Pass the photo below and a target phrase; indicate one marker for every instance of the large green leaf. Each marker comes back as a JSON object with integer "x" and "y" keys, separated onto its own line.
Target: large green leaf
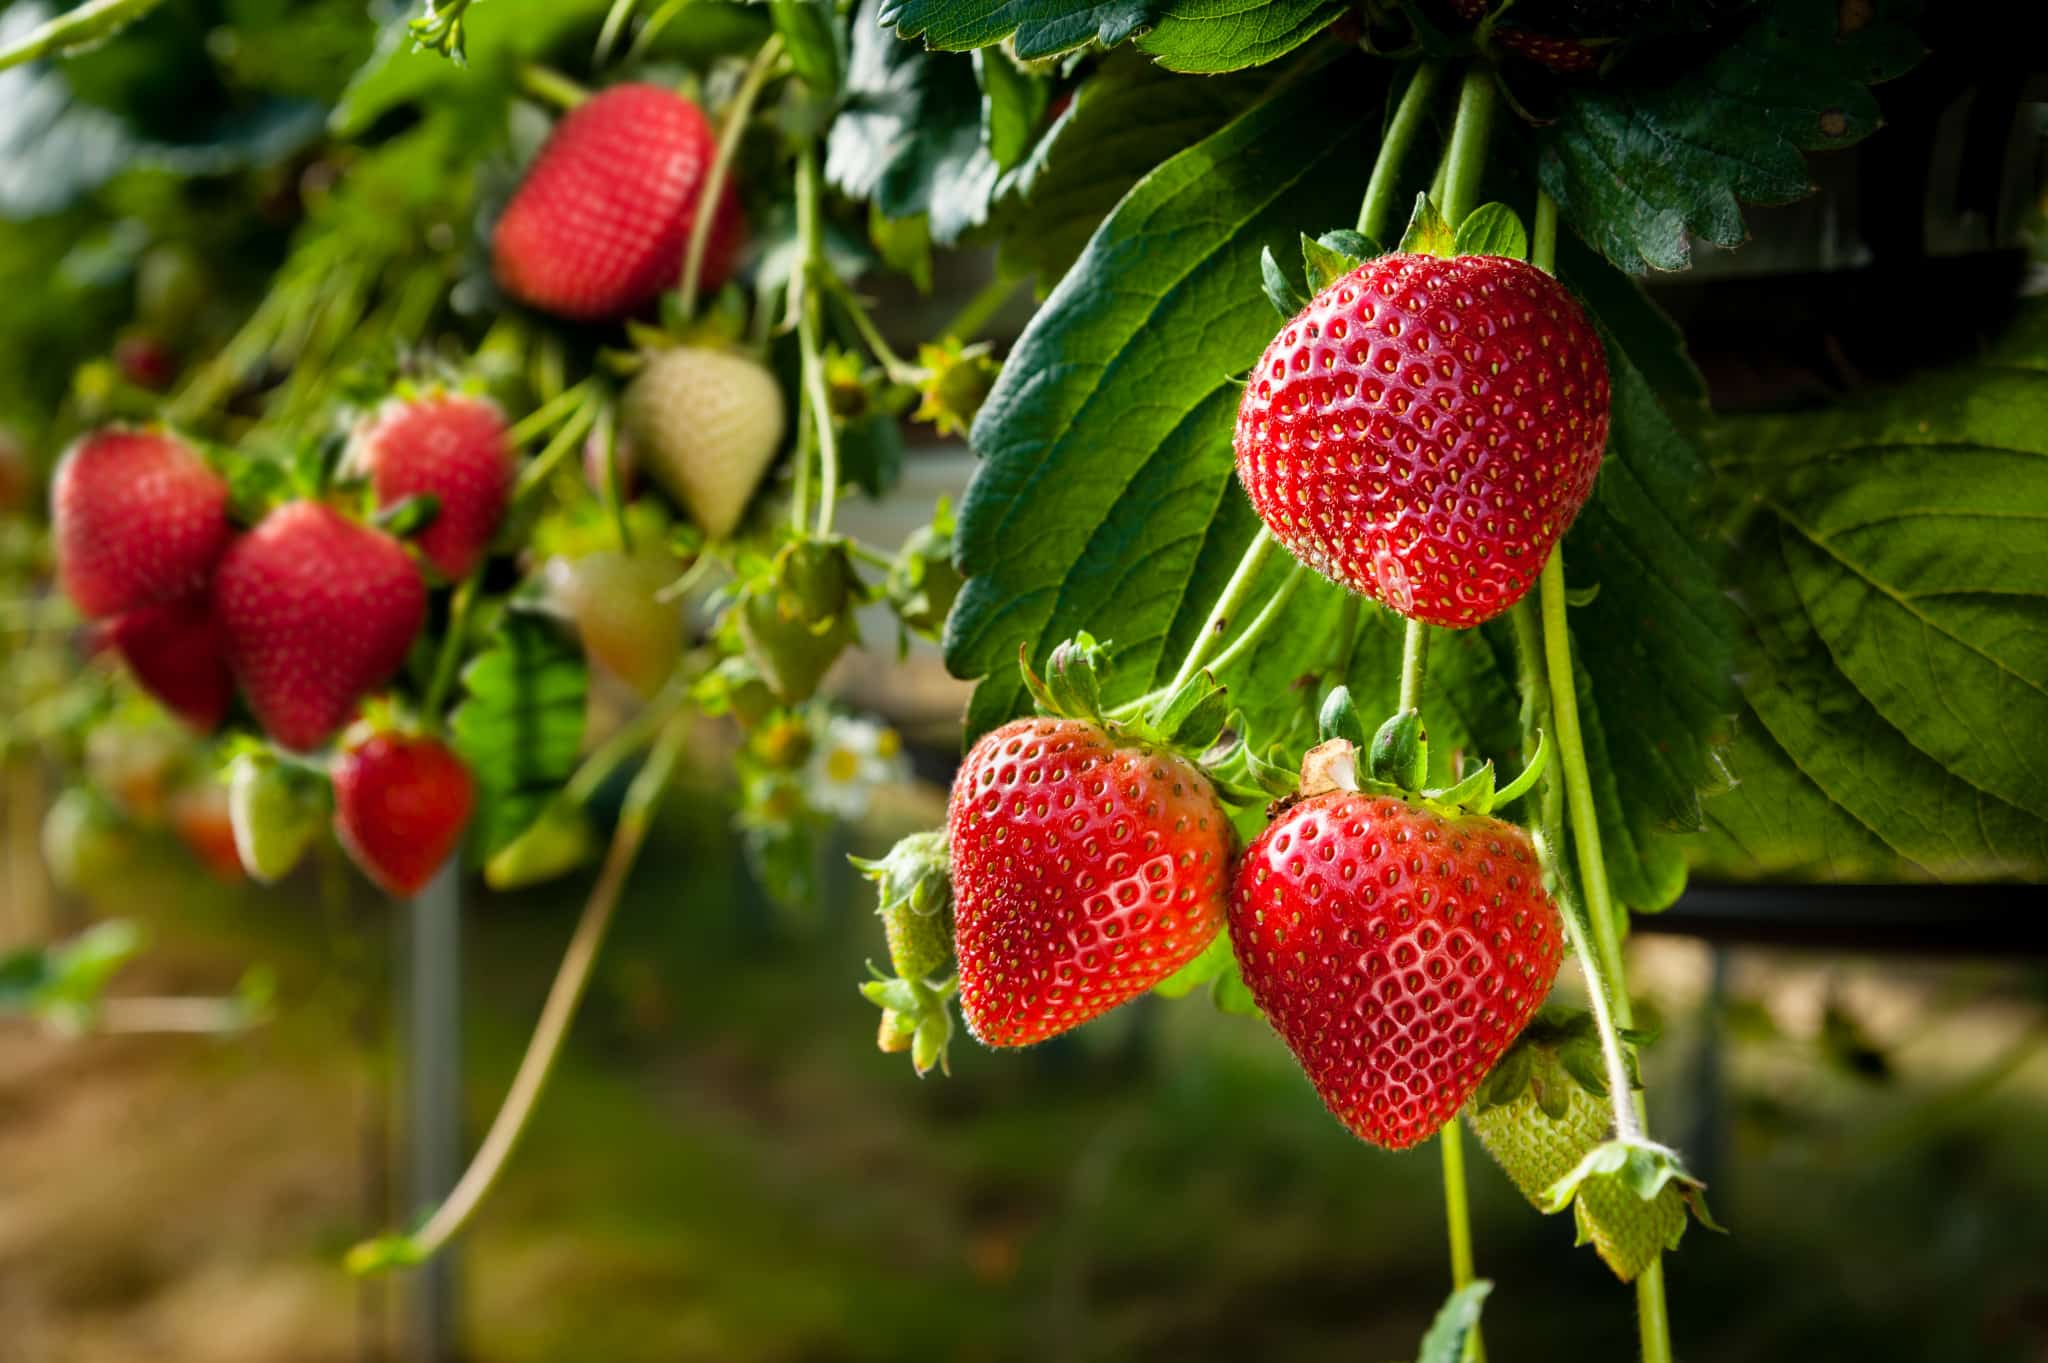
{"x": 1106, "y": 442}
{"x": 1042, "y": 28}
{"x": 1640, "y": 164}
{"x": 519, "y": 726}
{"x": 910, "y": 134}
{"x": 1206, "y": 37}
{"x": 1126, "y": 118}
{"x": 1896, "y": 574}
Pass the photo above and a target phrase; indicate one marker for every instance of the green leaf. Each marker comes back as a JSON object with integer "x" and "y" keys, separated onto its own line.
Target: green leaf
{"x": 1106, "y": 454}
{"x": 519, "y": 726}
{"x": 1428, "y": 233}
{"x": 909, "y": 134}
{"x": 1286, "y": 299}
{"x": 1493, "y": 230}
{"x": 1324, "y": 261}
{"x": 1126, "y": 118}
{"x": 1042, "y": 28}
{"x": 1454, "y": 1324}
{"x": 1209, "y": 37}
{"x": 1012, "y": 103}
{"x": 1896, "y": 582}
{"x": 815, "y": 41}
{"x": 1637, "y": 167}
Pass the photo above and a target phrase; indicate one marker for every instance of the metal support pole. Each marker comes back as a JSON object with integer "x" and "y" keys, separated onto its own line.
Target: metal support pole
{"x": 434, "y": 1099}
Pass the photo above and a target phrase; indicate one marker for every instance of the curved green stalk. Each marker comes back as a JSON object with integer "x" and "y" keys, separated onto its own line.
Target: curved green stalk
{"x": 1268, "y": 613}
{"x": 549, "y": 85}
{"x": 810, "y": 235}
{"x": 1382, "y": 192}
{"x": 564, "y": 996}
{"x": 1234, "y": 593}
{"x": 445, "y": 662}
{"x": 721, "y": 167}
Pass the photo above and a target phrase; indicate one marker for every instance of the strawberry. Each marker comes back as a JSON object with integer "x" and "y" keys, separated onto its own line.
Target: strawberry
{"x": 705, "y": 424}
{"x": 625, "y": 627}
{"x": 145, "y": 361}
{"x": 199, "y": 816}
{"x": 1536, "y": 1148}
{"x": 318, "y": 612}
{"x": 86, "y": 847}
{"x": 599, "y": 225}
{"x": 139, "y": 519}
{"x": 1086, "y": 869}
{"x": 177, "y": 652}
{"x": 274, "y": 814}
{"x": 1425, "y": 430}
{"x": 400, "y": 805}
{"x": 449, "y": 447}
{"x": 1397, "y": 951}
{"x": 913, "y": 896}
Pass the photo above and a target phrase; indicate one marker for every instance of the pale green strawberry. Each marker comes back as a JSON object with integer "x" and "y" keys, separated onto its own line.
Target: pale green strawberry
{"x": 1539, "y": 1116}
{"x": 915, "y": 890}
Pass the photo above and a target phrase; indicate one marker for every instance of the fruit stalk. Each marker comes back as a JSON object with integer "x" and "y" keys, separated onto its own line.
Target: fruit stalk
{"x": 564, "y": 996}
{"x": 811, "y": 240}
{"x": 547, "y": 416}
{"x": 551, "y": 87}
{"x": 1382, "y": 192}
{"x": 1452, "y": 1143}
{"x": 1235, "y": 591}
{"x": 1268, "y": 613}
{"x": 1466, "y": 159}
{"x": 1414, "y": 663}
{"x": 535, "y": 475}
{"x": 721, "y": 167}
{"x": 450, "y": 654}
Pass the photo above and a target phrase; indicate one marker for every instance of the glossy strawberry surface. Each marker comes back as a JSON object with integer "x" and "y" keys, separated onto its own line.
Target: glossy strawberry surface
{"x": 598, "y": 227}
{"x": 1084, "y": 872}
{"x": 318, "y": 611}
{"x": 138, "y": 518}
{"x": 1396, "y": 951}
{"x": 1425, "y": 431}
{"x": 451, "y": 448}
{"x": 400, "y": 805}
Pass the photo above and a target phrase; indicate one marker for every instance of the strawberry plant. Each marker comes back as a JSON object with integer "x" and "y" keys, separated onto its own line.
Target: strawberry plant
{"x": 1366, "y": 613}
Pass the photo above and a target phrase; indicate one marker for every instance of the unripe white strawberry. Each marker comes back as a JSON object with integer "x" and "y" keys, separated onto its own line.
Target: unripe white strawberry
{"x": 705, "y": 424}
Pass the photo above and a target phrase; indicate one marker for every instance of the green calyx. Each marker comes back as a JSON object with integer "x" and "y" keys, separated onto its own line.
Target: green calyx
{"x": 916, "y": 1017}
{"x": 914, "y": 885}
{"x": 1492, "y": 229}
{"x": 1560, "y": 1048}
{"x": 1193, "y": 718}
{"x": 1397, "y": 762}
{"x": 795, "y": 616}
{"x": 1643, "y": 1168}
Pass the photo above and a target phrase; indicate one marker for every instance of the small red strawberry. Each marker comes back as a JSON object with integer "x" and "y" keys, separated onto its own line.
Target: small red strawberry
{"x": 318, "y": 611}
{"x": 1568, "y": 36}
{"x": 400, "y": 805}
{"x": 145, "y": 361}
{"x": 599, "y": 226}
{"x": 1426, "y": 429}
{"x": 1397, "y": 952}
{"x": 1085, "y": 870}
{"x": 449, "y": 447}
{"x": 178, "y": 652}
{"x": 139, "y": 519}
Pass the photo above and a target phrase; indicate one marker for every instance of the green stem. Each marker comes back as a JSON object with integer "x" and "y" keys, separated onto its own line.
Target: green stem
{"x": 895, "y": 366}
{"x": 1382, "y": 192}
{"x": 1275, "y": 604}
{"x": 564, "y": 996}
{"x": 628, "y": 738}
{"x": 810, "y": 235}
{"x": 1459, "y": 1218}
{"x": 607, "y": 437}
{"x": 90, "y": 23}
{"x": 545, "y": 417}
{"x": 1414, "y": 663}
{"x": 536, "y": 474}
{"x": 615, "y": 21}
{"x": 550, "y": 86}
{"x": 1543, "y": 242}
{"x": 450, "y": 655}
{"x": 1653, "y": 1314}
{"x": 978, "y": 311}
{"x": 1466, "y": 160}
{"x": 1234, "y": 593}
{"x": 721, "y": 167}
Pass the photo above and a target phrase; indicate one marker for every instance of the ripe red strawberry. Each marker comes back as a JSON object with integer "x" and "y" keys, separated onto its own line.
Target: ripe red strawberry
{"x": 318, "y": 611}
{"x": 450, "y": 447}
{"x": 1085, "y": 871}
{"x": 139, "y": 519}
{"x": 1425, "y": 430}
{"x": 400, "y": 805}
{"x": 1396, "y": 951}
{"x": 598, "y": 227}
{"x": 1564, "y": 35}
{"x": 178, "y": 652}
